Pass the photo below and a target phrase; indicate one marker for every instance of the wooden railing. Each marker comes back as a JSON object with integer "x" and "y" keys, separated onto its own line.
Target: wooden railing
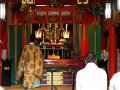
{"x": 69, "y": 67}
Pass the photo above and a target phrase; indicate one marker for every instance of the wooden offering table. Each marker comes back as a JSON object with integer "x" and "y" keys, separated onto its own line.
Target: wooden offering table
{"x": 63, "y": 65}
{"x": 58, "y": 48}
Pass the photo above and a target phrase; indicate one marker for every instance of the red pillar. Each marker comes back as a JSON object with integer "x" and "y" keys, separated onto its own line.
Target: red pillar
{"x": 0, "y": 50}
{"x": 112, "y": 50}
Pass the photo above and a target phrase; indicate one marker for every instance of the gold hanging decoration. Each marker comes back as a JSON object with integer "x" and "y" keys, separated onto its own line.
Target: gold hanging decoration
{"x": 83, "y": 5}
{"x": 28, "y": 4}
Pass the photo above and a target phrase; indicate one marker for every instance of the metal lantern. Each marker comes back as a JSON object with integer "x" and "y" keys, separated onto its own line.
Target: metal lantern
{"x": 118, "y": 5}
{"x": 2, "y": 11}
{"x": 108, "y": 10}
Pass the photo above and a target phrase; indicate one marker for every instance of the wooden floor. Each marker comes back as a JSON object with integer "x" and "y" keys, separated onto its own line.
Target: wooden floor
{"x": 40, "y": 88}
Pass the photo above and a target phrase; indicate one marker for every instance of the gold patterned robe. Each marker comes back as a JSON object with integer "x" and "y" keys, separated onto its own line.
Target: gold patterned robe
{"x": 30, "y": 61}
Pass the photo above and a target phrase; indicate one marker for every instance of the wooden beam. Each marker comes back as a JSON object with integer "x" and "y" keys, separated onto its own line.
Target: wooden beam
{"x": 13, "y": 0}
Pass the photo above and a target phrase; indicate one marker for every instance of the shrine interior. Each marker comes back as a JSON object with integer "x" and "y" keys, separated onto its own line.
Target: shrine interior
{"x": 65, "y": 31}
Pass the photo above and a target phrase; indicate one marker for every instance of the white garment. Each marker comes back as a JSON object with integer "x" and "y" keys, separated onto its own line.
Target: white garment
{"x": 36, "y": 83}
{"x": 91, "y": 78}
{"x": 115, "y": 82}
{"x": 1, "y": 88}
{"x": 4, "y": 54}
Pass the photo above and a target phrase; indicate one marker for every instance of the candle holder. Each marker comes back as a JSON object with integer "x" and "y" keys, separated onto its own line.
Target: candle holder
{"x": 66, "y": 33}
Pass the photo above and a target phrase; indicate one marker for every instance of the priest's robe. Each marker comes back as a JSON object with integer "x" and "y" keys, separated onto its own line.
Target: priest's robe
{"x": 31, "y": 61}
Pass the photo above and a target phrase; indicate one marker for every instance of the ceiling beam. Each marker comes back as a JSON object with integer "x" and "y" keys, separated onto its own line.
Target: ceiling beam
{"x": 12, "y": 0}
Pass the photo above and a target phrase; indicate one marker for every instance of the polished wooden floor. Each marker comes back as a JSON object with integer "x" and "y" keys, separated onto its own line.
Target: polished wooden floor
{"x": 40, "y": 88}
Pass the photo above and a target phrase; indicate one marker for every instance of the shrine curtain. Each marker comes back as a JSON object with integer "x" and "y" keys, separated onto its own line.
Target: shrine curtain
{"x": 19, "y": 41}
{"x": 91, "y": 38}
{"x": 12, "y": 52}
{"x": 86, "y": 20}
{"x": 12, "y": 48}
{"x": 91, "y": 35}
{"x": 98, "y": 42}
{"x": 95, "y": 39}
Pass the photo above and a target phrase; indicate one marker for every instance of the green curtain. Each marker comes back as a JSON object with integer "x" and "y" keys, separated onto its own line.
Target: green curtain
{"x": 91, "y": 38}
{"x": 19, "y": 42}
{"x": 76, "y": 41}
{"x": 28, "y": 33}
{"x": 19, "y": 46}
{"x": 12, "y": 48}
{"x": 98, "y": 42}
{"x": 12, "y": 51}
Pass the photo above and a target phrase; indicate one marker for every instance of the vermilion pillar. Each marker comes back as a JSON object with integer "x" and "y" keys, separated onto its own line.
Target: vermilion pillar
{"x": 112, "y": 51}
{"x": 0, "y": 50}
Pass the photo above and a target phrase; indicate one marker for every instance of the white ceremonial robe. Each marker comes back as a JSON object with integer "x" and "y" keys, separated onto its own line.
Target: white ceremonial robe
{"x": 115, "y": 82}
{"x": 91, "y": 78}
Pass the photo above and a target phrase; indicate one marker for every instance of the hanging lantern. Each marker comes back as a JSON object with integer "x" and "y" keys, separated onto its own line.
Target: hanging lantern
{"x": 108, "y": 10}
{"x": 38, "y": 33}
{"x": 118, "y": 5}
{"x": 66, "y": 34}
{"x": 2, "y": 11}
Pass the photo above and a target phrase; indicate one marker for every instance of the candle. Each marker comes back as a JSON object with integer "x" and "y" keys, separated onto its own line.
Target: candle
{"x": 66, "y": 26}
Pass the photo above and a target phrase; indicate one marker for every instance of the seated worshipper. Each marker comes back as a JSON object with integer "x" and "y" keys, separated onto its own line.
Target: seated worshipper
{"x": 6, "y": 72}
{"x": 91, "y": 77}
{"x": 115, "y": 82}
{"x": 30, "y": 65}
